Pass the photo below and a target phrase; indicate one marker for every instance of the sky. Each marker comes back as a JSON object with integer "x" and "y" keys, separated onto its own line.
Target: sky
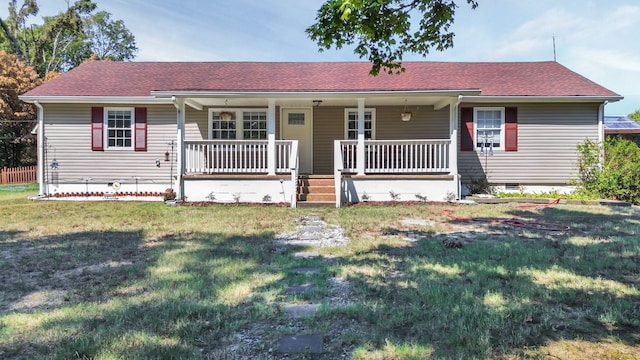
{"x": 598, "y": 39}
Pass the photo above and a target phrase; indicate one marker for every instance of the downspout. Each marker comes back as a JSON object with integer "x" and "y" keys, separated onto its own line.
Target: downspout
{"x": 601, "y": 133}
{"x": 42, "y": 187}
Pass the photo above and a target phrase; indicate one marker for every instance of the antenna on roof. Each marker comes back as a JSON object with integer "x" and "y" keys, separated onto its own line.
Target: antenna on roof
{"x": 554, "y": 47}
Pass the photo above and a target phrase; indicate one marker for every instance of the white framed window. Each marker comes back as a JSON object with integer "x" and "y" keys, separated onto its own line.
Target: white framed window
{"x": 254, "y": 125}
{"x": 119, "y": 128}
{"x": 238, "y": 124}
{"x": 222, "y": 125}
{"x": 351, "y": 124}
{"x": 489, "y": 127}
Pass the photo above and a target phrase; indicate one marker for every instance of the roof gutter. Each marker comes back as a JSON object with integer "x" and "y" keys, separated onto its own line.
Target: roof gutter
{"x": 167, "y": 97}
{"x": 306, "y": 94}
{"x": 532, "y": 99}
{"x": 95, "y": 99}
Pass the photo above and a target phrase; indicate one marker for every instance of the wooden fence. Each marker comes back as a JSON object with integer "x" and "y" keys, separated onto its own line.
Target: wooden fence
{"x": 18, "y": 175}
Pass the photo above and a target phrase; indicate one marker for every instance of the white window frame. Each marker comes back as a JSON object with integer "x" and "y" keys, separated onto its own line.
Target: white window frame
{"x": 132, "y": 128}
{"x": 266, "y": 123}
{"x": 346, "y": 122}
{"x": 476, "y": 130}
{"x": 239, "y": 119}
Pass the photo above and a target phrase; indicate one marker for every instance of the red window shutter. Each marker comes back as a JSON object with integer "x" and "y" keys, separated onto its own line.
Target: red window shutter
{"x": 511, "y": 129}
{"x": 97, "y": 128}
{"x": 141, "y": 129}
{"x": 466, "y": 129}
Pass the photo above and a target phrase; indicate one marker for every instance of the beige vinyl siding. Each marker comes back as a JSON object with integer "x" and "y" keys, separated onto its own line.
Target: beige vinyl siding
{"x": 547, "y": 139}
{"x": 424, "y": 124}
{"x": 328, "y": 125}
{"x": 68, "y": 139}
{"x": 196, "y": 124}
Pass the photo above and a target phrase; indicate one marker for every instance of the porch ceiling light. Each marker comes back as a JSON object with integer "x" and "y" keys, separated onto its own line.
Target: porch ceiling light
{"x": 317, "y": 103}
{"x": 406, "y": 115}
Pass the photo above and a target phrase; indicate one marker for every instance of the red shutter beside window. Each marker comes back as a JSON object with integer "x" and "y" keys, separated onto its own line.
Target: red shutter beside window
{"x": 97, "y": 128}
{"x": 466, "y": 129}
{"x": 141, "y": 129}
{"x": 511, "y": 129}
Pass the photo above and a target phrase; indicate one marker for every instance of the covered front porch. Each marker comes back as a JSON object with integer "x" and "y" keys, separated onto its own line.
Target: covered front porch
{"x": 363, "y": 144}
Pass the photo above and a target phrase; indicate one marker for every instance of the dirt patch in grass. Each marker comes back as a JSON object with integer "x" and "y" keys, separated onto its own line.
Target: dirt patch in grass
{"x": 51, "y": 271}
{"x": 607, "y": 349}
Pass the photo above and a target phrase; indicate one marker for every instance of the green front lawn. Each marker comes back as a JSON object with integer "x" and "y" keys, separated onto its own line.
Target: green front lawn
{"x": 112, "y": 280}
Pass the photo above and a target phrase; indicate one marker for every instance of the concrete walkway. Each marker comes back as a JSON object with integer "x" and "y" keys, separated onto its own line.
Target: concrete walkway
{"x": 311, "y": 232}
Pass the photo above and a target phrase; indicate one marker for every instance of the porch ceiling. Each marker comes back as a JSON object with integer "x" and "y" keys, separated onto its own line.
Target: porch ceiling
{"x": 307, "y": 101}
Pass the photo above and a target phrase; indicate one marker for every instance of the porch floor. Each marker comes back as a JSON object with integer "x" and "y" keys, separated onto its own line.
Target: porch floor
{"x": 400, "y": 176}
{"x": 235, "y": 177}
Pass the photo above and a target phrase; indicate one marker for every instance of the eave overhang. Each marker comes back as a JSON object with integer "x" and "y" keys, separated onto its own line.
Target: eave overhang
{"x": 167, "y": 97}
{"x": 538, "y": 99}
{"x": 307, "y": 94}
{"x": 95, "y": 99}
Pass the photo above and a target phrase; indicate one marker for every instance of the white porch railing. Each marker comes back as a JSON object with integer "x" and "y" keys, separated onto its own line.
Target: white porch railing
{"x": 396, "y": 156}
{"x": 237, "y": 156}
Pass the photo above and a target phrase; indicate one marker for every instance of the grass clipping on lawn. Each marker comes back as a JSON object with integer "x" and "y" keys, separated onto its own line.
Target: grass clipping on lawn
{"x": 143, "y": 280}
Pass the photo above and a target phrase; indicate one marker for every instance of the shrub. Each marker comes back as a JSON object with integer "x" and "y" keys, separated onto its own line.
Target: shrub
{"x": 479, "y": 186}
{"x": 589, "y": 166}
{"x": 619, "y": 177}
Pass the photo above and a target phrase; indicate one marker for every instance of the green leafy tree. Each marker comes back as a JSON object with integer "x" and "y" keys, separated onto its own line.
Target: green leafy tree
{"x": 383, "y": 30}
{"x": 635, "y": 115}
{"x": 41, "y": 46}
{"x": 59, "y": 44}
{"x": 17, "y": 145}
{"x": 101, "y": 39}
{"x": 65, "y": 40}
{"x": 109, "y": 39}
{"x": 15, "y": 24}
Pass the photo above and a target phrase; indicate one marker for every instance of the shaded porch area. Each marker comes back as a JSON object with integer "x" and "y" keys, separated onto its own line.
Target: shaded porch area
{"x": 363, "y": 146}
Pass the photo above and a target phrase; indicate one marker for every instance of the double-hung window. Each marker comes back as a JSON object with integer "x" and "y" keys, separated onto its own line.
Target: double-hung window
{"x": 223, "y": 125}
{"x": 351, "y": 124}
{"x": 114, "y": 128}
{"x": 254, "y": 125}
{"x": 489, "y": 126}
{"x": 119, "y": 129}
{"x": 234, "y": 124}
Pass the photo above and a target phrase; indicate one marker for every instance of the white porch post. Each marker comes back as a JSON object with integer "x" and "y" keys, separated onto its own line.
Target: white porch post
{"x": 453, "y": 144}
{"x": 453, "y": 136}
{"x": 360, "y": 148}
{"x": 271, "y": 137}
{"x": 179, "y": 104}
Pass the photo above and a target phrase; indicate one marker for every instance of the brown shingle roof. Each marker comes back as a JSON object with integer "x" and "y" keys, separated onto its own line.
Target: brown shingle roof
{"x": 140, "y": 78}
